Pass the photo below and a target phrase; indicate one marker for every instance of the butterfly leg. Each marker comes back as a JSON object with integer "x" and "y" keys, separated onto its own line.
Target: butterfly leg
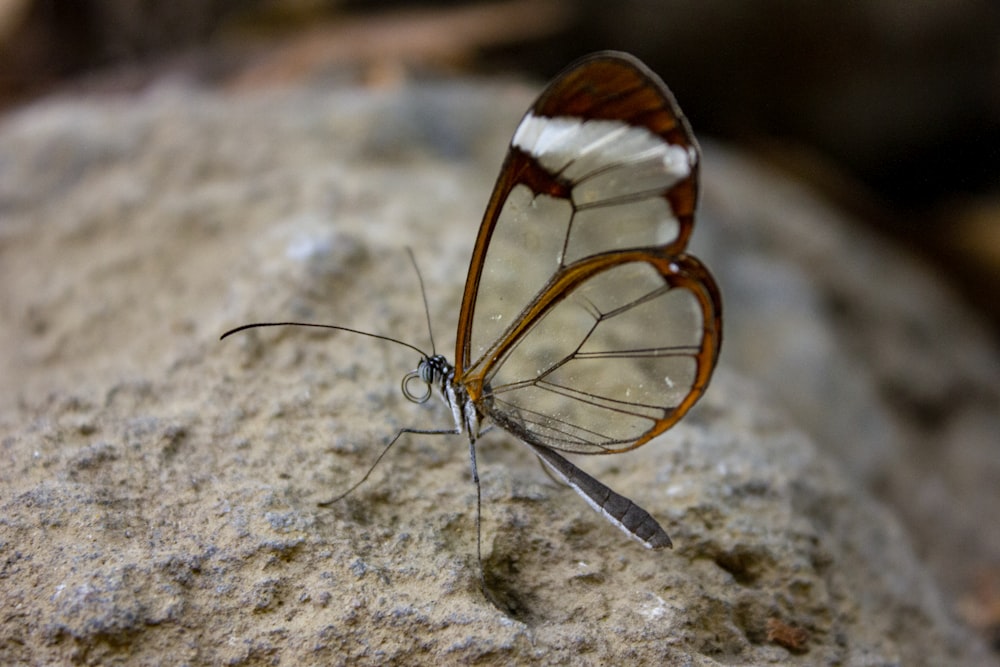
{"x": 327, "y": 503}
{"x": 479, "y": 513}
{"x": 497, "y": 597}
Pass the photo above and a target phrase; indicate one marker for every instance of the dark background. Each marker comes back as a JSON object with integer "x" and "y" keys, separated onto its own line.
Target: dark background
{"x": 890, "y": 107}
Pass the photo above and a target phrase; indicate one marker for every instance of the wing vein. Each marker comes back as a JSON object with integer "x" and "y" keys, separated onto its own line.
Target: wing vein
{"x": 599, "y": 401}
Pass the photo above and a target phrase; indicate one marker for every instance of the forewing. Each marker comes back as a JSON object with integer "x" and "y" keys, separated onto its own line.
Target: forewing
{"x": 583, "y": 324}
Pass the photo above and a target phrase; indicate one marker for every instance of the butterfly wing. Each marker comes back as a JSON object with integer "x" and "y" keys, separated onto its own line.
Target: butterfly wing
{"x": 584, "y": 325}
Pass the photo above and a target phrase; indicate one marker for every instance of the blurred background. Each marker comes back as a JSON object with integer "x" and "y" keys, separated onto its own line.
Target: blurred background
{"x": 890, "y": 107}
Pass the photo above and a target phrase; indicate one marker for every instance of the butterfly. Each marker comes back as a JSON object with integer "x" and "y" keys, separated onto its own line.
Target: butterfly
{"x": 585, "y": 327}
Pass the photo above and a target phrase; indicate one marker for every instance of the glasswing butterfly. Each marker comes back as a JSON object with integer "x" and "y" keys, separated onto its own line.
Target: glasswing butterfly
{"x": 585, "y": 327}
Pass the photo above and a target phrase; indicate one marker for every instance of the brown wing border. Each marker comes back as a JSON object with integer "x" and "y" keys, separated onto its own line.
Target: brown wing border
{"x": 607, "y": 85}
{"x": 683, "y": 272}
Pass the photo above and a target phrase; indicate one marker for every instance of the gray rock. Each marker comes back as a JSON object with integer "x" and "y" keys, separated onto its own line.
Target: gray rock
{"x": 159, "y": 487}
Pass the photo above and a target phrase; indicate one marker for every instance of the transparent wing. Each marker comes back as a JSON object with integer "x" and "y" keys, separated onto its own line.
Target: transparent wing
{"x": 615, "y": 361}
{"x": 584, "y": 326}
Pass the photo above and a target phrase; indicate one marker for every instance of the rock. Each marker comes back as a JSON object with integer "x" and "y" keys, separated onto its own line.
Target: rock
{"x": 160, "y": 487}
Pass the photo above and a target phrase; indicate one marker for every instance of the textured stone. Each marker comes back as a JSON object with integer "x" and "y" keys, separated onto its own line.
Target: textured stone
{"x": 159, "y": 487}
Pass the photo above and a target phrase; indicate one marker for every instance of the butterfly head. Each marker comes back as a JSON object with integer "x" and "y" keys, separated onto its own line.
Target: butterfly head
{"x": 431, "y": 371}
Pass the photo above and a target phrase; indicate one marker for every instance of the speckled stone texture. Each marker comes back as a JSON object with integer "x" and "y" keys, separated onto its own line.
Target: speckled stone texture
{"x": 829, "y": 499}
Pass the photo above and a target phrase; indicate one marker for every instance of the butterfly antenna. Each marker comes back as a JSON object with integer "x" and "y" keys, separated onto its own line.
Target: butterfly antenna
{"x": 256, "y": 325}
{"x": 423, "y": 293}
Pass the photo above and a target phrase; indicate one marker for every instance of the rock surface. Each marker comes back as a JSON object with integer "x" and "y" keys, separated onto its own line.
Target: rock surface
{"x": 159, "y": 487}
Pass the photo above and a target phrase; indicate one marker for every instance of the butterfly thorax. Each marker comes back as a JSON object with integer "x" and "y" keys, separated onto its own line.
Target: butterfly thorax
{"x": 437, "y": 372}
